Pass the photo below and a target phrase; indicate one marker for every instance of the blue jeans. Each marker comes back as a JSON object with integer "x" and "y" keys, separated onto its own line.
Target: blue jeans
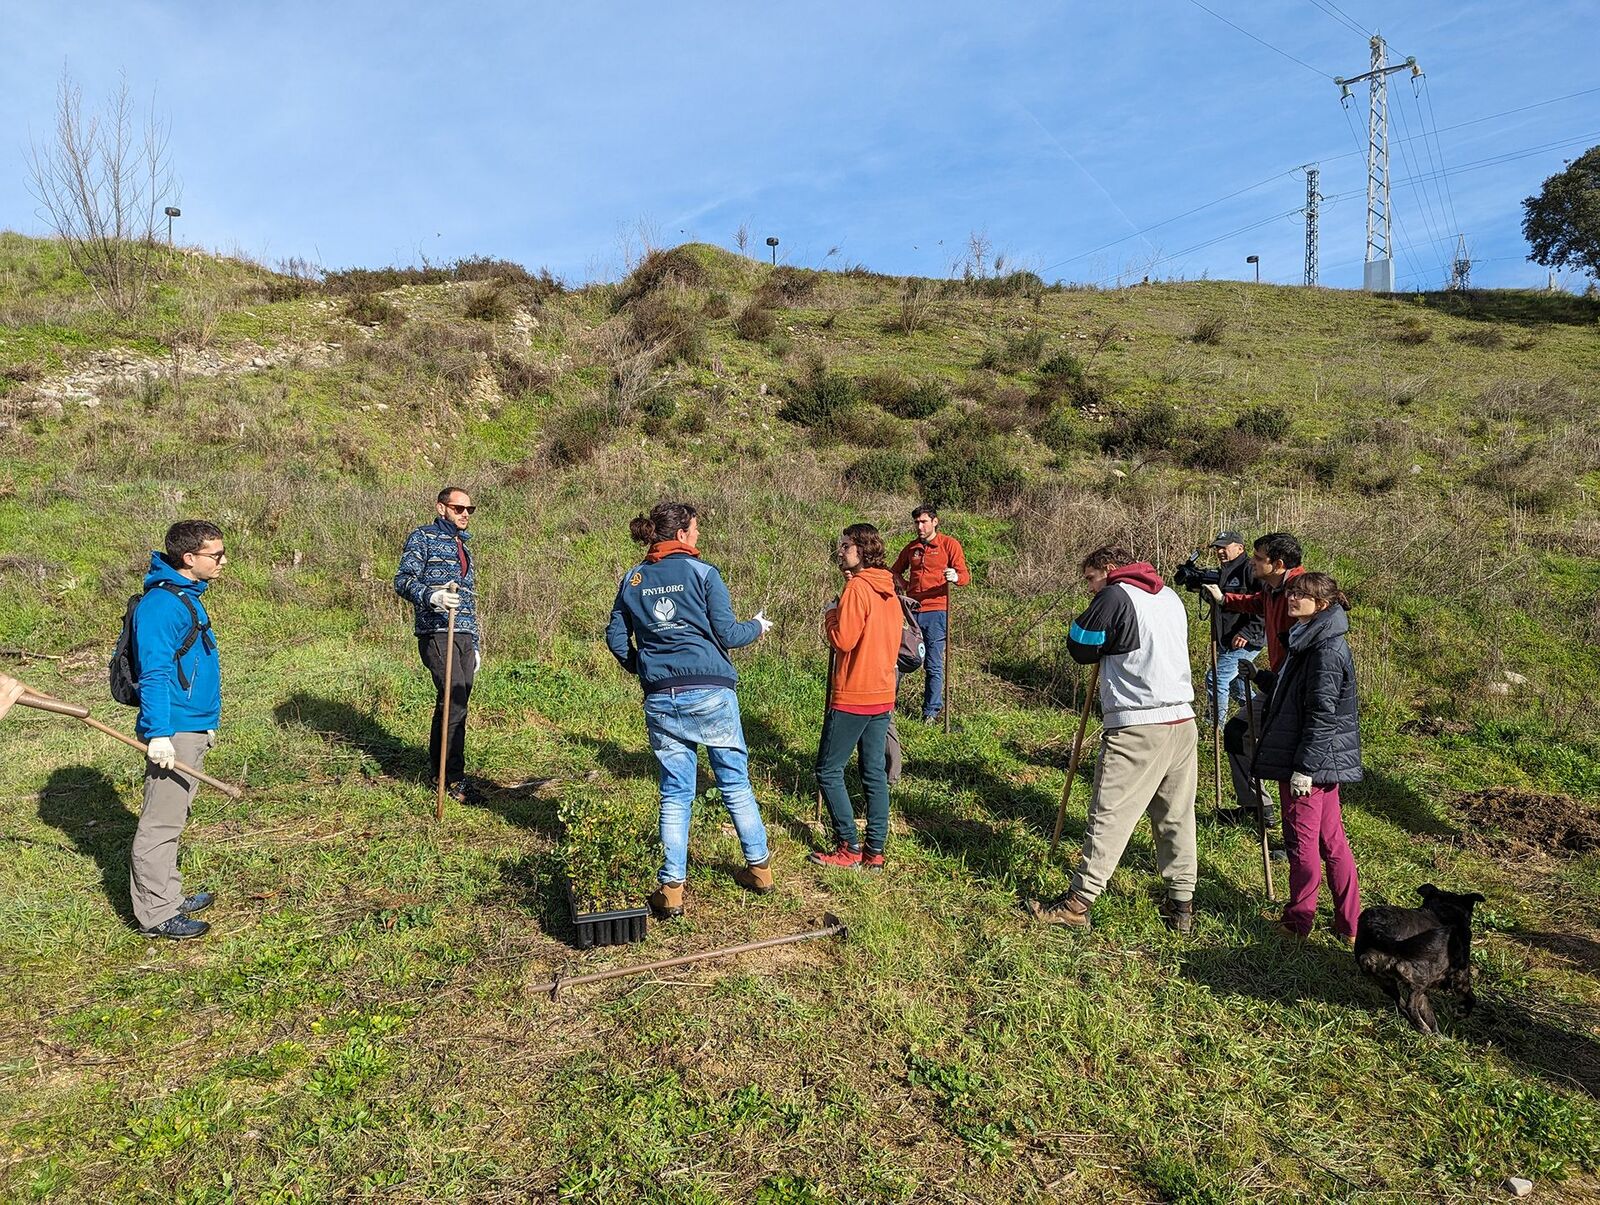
{"x": 1228, "y": 684}
{"x": 842, "y": 733}
{"x": 679, "y": 719}
{"x": 934, "y": 625}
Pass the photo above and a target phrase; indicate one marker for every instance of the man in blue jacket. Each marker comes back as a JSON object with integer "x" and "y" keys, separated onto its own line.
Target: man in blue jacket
{"x": 438, "y": 575}
{"x": 180, "y": 704}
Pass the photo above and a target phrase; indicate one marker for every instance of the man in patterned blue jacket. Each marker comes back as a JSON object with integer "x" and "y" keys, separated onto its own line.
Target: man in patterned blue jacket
{"x": 438, "y": 575}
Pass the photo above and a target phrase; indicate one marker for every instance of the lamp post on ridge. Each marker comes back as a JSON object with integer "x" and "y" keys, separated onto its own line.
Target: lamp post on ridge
{"x": 773, "y": 243}
{"x": 172, "y": 211}
{"x": 1256, "y": 260}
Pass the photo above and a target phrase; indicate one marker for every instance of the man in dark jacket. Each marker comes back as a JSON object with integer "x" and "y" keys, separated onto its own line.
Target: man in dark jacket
{"x": 437, "y": 575}
{"x": 1277, "y": 562}
{"x": 1240, "y": 635}
{"x": 180, "y": 705}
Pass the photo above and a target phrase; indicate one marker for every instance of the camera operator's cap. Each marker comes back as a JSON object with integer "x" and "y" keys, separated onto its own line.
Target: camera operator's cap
{"x": 1224, "y": 538}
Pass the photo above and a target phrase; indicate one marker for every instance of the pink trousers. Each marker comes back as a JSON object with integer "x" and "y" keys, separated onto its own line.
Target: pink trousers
{"x": 1313, "y": 836}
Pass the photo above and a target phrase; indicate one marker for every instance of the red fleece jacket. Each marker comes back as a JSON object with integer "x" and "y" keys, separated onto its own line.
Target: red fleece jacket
{"x": 926, "y": 563}
{"x": 1271, "y": 604}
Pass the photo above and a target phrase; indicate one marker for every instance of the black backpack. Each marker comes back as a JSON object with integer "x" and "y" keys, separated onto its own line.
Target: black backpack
{"x": 124, "y": 669}
{"x": 912, "y": 648}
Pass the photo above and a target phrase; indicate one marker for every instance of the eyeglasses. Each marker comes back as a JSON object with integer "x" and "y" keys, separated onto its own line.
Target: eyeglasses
{"x": 465, "y": 510}
{"x": 216, "y": 556}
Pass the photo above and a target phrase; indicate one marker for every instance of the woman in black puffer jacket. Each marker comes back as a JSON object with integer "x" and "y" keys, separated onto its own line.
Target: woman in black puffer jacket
{"x": 1310, "y": 743}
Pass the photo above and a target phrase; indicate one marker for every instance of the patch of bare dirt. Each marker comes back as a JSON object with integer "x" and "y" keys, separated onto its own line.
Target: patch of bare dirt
{"x": 1509, "y": 820}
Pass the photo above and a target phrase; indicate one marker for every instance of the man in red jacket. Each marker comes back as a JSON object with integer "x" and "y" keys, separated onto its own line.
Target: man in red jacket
{"x": 926, "y": 569}
{"x": 1276, "y": 563}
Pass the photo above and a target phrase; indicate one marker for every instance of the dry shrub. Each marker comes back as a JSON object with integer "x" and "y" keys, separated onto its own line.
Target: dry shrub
{"x": 1014, "y": 352}
{"x": 755, "y": 322}
{"x": 488, "y": 301}
{"x": 678, "y": 267}
{"x": 786, "y": 286}
{"x": 1538, "y": 403}
{"x": 573, "y": 434}
{"x": 372, "y": 309}
{"x": 1488, "y": 338}
{"x": 1531, "y": 476}
{"x": 914, "y": 308}
{"x": 1209, "y": 329}
{"x": 1412, "y": 331}
{"x": 517, "y": 375}
{"x": 671, "y": 320}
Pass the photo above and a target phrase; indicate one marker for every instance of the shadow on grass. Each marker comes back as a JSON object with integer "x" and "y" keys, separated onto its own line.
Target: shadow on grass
{"x": 83, "y": 803}
{"x": 1278, "y": 970}
{"x": 1524, "y": 307}
{"x": 1046, "y": 681}
{"x": 395, "y": 757}
{"x": 1562, "y": 1053}
{"x": 1385, "y": 796}
{"x": 535, "y": 884}
{"x": 1584, "y": 952}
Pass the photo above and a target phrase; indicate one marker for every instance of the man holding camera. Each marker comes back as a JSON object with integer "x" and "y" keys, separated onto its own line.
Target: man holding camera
{"x": 1240, "y": 636}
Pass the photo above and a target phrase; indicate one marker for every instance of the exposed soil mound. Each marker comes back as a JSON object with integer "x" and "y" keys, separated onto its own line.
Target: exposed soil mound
{"x": 1501, "y": 819}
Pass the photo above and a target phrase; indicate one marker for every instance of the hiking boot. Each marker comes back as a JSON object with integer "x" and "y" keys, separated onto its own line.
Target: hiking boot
{"x": 842, "y": 858}
{"x": 1071, "y": 910}
{"x": 179, "y": 928}
{"x": 1284, "y": 929}
{"x": 667, "y": 900}
{"x": 198, "y": 902}
{"x": 1177, "y": 915}
{"x": 756, "y": 877}
{"x": 872, "y": 859}
{"x": 1245, "y": 817}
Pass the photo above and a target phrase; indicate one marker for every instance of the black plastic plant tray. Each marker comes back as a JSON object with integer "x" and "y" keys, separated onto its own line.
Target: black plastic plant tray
{"x": 617, "y": 928}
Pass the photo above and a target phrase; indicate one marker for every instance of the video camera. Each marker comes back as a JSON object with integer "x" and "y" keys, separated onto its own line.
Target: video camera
{"x": 1190, "y": 576}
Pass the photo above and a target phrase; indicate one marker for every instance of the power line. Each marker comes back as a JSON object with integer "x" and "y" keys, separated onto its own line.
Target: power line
{"x": 1434, "y": 122}
{"x": 1288, "y": 213}
{"x": 1538, "y": 104}
{"x": 1275, "y": 49}
{"x": 1330, "y": 10}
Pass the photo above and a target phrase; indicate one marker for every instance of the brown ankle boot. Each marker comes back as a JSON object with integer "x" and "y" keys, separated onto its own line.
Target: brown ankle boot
{"x": 1177, "y": 915}
{"x": 1071, "y": 910}
{"x": 756, "y": 877}
{"x": 667, "y": 900}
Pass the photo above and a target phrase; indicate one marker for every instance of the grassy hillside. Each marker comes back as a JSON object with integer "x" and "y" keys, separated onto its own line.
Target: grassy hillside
{"x": 360, "y": 1026}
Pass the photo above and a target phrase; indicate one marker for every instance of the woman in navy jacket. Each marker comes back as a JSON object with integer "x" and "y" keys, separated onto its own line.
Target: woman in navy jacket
{"x": 1310, "y": 743}
{"x": 672, "y": 625}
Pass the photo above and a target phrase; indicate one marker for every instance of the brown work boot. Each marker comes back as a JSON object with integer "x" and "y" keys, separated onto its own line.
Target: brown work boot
{"x": 667, "y": 900}
{"x": 756, "y": 877}
{"x": 1071, "y": 910}
{"x": 1177, "y": 915}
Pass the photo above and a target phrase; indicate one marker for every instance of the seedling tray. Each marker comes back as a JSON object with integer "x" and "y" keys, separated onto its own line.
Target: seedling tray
{"x": 617, "y": 928}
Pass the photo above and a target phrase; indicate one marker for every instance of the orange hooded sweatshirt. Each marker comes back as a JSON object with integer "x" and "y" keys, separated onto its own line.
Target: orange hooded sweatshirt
{"x": 864, "y": 630}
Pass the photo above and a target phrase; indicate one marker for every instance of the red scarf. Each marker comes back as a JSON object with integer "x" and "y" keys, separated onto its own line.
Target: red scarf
{"x": 667, "y": 547}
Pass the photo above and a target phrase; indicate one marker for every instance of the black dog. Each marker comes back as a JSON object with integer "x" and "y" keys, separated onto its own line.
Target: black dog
{"x": 1411, "y": 951}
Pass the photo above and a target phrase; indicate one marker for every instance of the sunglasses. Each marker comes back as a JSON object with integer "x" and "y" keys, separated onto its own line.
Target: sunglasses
{"x": 216, "y": 556}
{"x": 465, "y": 510}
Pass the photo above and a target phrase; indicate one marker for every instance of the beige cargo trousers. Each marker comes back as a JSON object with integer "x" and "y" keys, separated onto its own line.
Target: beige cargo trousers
{"x": 153, "y": 879}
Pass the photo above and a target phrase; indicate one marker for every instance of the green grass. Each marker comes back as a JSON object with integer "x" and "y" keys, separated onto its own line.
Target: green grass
{"x": 360, "y": 1024}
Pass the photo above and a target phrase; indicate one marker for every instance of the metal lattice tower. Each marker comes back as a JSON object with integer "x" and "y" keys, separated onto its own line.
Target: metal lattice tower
{"x": 1461, "y": 265}
{"x": 1312, "y": 199}
{"x": 1379, "y": 274}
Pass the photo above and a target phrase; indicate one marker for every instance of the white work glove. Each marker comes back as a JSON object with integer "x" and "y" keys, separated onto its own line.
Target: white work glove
{"x": 1299, "y": 784}
{"x": 477, "y": 661}
{"x": 161, "y": 753}
{"x": 444, "y": 600}
{"x": 1212, "y": 591}
{"x": 761, "y": 618}
{"x": 951, "y": 576}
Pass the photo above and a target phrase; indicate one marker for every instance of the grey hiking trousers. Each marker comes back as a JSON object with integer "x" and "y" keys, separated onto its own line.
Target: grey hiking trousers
{"x": 153, "y": 880}
{"x": 1146, "y": 768}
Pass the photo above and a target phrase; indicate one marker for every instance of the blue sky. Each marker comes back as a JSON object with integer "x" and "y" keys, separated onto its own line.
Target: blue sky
{"x": 363, "y": 134}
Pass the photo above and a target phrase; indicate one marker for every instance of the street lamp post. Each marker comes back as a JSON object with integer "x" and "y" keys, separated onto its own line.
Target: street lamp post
{"x": 773, "y": 243}
{"x": 1256, "y": 260}
{"x": 172, "y": 211}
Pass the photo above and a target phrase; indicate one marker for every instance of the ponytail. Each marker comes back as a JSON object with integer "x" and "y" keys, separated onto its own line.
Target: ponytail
{"x": 664, "y": 522}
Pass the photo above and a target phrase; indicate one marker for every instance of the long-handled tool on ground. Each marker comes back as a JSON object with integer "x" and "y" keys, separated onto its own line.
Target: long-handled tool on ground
{"x": 949, "y": 655}
{"x": 1255, "y": 786}
{"x": 1077, "y": 754}
{"x": 833, "y": 927}
{"x": 43, "y": 702}
{"x": 445, "y": 707}
{"x": 1216, "y": 708}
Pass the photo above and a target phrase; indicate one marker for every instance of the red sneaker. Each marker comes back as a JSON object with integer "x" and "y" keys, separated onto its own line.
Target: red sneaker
{"x": 871, "y": 859}
{"x": 843, "y": 857}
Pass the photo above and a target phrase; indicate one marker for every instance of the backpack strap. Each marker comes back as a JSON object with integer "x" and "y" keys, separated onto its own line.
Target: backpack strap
{"x": 197, "y": 630}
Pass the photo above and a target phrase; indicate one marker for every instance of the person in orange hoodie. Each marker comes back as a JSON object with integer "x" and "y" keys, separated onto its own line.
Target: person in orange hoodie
{"x": 863, "y": 629}
{"x": 926, "y": 569}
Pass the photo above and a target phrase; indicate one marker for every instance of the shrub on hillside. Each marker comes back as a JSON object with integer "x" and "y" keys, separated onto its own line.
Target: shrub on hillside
{"x": 517, "y": 376}
{"x": 882, "y": 472}
{"x": 1153, "y": 428}
{"x": 1529, "y": 476}
{"x": 902, "y": 396}
{"x": 669, "y": 320}
{"x": 488, "y": 301}
{"x": 914, "y": 307}
{"x": 659, "y": 405}
{"x": 1063, "y": 380}
{"x": 1413, "y": 331}
{"x": 1488, "y": 338}
{"x": 1062, "y": 431}
{"x": 717, "y": 304}
{"x": 967, "y": 466}
{"x": 816, "y": 394}
{"x": 1264, "y": 422}
{"x": 1013, "y": 284}
{"x": 1209, "y": 329}
{"x": 529, "y": 287}
{"x": 858, "y": 423}
{"x": 1225, "y": 449}
{"x": 755, "y": 322}
{"x": 1014, "y": 353}
{"x": 786, "y": 286}
{"x": 372, "y": 309}
{"x": 659, "y": 269}
{"x": 573, "y": 434}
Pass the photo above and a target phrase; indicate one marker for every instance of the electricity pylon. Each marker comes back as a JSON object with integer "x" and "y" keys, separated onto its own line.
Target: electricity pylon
{"x": 1378, "y": 275}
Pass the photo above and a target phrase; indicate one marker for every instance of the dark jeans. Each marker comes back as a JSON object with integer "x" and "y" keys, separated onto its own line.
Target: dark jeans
{"x": 935, "y": 627}
{"x": 431, "y": 647}
{"x": 841, "y": 733}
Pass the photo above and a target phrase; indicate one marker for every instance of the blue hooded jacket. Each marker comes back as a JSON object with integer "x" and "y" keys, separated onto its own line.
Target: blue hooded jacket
{"x": 673, "y": 624}
{"x": 160, "y": 623}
